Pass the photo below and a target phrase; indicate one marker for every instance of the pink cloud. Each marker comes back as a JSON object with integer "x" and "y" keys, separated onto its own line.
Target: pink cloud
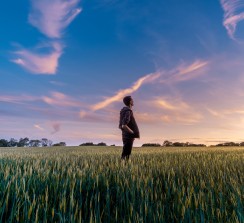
{"x": 38, "y": 127}
{"x": 180, "y": 108}
{"x": 40, "y": 63}
{"x": 121, "y": 93}
{"x": 232, "y": 15}
{"x": 56, "y": 99}
{"x": 18, "y": 99}
{"x": 185, "y": 72}
{"x": 60, "y": 99}
{"x": 52, "y": 17}
{"x": 175, "y": 111}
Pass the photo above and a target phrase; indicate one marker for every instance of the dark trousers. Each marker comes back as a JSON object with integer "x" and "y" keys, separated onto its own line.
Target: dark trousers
{"x": 127, "y": 147}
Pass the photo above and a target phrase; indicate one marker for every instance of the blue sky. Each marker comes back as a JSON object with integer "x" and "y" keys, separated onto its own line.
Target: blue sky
{"x": 66, "y": 65}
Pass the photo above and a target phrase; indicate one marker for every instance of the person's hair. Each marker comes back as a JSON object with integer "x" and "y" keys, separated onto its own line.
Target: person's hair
{"x": 127, "y": 100}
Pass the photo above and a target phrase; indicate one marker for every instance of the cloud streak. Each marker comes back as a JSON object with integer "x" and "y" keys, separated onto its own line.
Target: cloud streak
{"x": 170, "y": 106}
{"x": 177, "y": 111}
{"x": 38, "y": 127}
{"x": 60, "y": 99}
{"x": 40, "y": 63}
{"x": 233, "y": 14}
{"x": 55, "y": 99}
{"x": 185, "y": 72}
{"x": 121, "y": 93}
{"x": 52, "y": 17}
{"x": 22, "y": 99}
{"x": 181, "y": 73}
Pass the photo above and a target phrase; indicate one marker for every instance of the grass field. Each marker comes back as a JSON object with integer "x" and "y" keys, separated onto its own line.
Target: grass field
{"x": 91, "y": 184}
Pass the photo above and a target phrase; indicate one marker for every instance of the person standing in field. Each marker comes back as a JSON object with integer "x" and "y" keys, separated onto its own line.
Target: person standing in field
{"x": 128, "y": 125}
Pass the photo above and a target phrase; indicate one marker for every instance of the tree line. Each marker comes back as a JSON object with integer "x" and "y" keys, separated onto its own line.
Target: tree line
{"x": 26, "y": 142}
{"x": 167, "y": 143}
{"x": 44, "y": 142}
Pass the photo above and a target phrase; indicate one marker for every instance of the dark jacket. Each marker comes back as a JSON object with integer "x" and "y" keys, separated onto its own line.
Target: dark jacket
{"x": 127, "y": 118}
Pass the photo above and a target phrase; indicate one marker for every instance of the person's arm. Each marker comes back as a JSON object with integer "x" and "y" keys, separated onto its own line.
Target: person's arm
{"x": 127, "y": 128}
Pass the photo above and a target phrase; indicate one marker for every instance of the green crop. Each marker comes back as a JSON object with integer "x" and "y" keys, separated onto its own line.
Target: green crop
{"x": 92, "y": 184}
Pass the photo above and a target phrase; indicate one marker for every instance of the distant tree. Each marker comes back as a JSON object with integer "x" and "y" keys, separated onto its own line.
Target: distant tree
{"x": 12, "y": 142}
{"x": 232, "y": 144}
{"x": 87, "y": 144}
{"x": 151, "y": 145}
{"x": 228, "y": 144}
{"x": 50, "y": 142}
{"x": 194, "y": 145}
{"x": 188, "y": 144}
{"x": 102, "y": 144}
{"x": 34, "y": 143}
{"x": 60, "y": 144}
{"x": 46, "y": 142}
{"x": 241, "y": 144}
{"x": 167, "y": 143}
{"x": 178, "y": 144}
{"x": 201, "y": 145}
{"x": 3, "y": 143}
{"x": 23, "y": 142}
{"x": 112, "y": 145}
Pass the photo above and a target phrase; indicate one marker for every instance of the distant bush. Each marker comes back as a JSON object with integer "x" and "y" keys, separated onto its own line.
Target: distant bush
{"x": 151, "y": 145}
{"x": 178, "y": 144}
{"x": 228, "y": 144}
{"x": 92, "y": 144}
{"x": 102, "y": 144}
{"x": 3, "y": 143}
{"x": 60, "y": 144}
{"x": 87, "y": 144}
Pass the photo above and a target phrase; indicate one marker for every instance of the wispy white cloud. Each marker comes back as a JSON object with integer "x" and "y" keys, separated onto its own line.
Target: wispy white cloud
{"x": 185, "y": 71}
{"x": 215, "y": 113}
{"x": 121, "y": 93}
{"x": 21, "y": 99}
{"x": 196, "y": 65}
{"x": 52, "y": 17}
{"x": 170, "y": 106}
{"x": 40, "y": 63}
{"x": 38, "y": 127}
{"x": 177, "y": 111}
{"x": 180, "y": 73}
{"x": 55, "y": 99}
{"x": 226, "y": 112}
{"x": 60, "y": 99}
{"x": 233, "y": 14}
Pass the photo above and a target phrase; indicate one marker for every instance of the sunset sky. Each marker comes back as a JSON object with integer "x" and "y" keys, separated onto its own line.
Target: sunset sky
{"x": 65, "y": 66}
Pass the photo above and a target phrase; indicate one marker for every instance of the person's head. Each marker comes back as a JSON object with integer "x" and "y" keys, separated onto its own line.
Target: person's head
{"x": 128, "y": 101}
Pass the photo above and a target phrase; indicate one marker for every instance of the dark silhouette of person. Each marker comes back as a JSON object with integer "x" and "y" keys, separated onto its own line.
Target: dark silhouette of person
{"x": 128, "y": 125}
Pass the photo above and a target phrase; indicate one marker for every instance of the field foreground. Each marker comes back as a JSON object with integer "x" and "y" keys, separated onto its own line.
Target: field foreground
{"x": 91, "y": 184}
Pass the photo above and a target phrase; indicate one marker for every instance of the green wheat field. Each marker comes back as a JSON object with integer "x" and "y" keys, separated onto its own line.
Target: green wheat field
{"x": 91, "y": 184}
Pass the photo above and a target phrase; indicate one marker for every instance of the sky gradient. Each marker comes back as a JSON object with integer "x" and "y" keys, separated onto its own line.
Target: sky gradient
{"x": 66, "y": 65}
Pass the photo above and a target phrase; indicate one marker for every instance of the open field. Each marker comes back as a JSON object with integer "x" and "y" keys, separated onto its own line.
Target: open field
{"x": 91, "y": 184}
